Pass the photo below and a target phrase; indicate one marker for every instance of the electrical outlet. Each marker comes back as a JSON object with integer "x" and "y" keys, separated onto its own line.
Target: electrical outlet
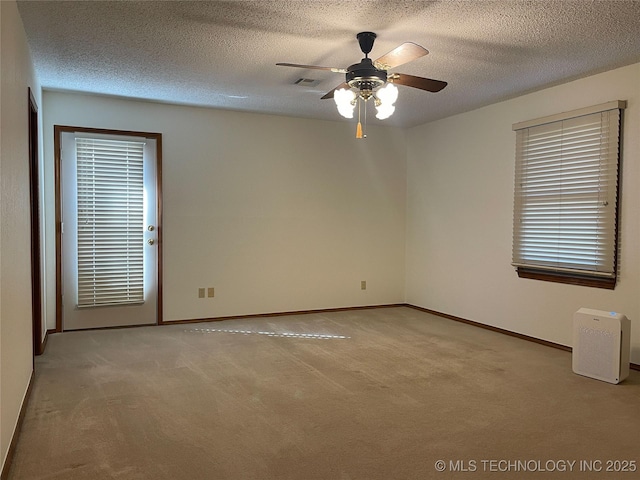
{"x": 210, "y": 292}
{"x": 363, "y": 285}
{"x": 201, "y": 293}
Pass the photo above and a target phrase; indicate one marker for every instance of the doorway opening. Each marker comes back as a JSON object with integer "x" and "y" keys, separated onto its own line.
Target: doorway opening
{"x": 34, "y": 200}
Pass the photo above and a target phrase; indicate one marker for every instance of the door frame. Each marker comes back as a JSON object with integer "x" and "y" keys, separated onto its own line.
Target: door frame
{"x": 36, "y": 239}
{"x": 58, "y": 130}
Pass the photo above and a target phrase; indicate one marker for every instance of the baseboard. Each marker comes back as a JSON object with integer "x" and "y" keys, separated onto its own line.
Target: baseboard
{"x": 503, "y": 331}
{"x": 633, "y": 366}
{"x": 16, "y": 433}
{"x": 43, "y": 344}
{"x": 281, "y": 314}
{"x": 236, "y": 317}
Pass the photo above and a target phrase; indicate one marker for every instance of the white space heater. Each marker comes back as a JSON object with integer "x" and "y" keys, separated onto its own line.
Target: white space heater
{"x": 601, "y": 345}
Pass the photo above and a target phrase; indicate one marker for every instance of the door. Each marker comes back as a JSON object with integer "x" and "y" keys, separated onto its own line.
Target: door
{"x": 109, "y": 226}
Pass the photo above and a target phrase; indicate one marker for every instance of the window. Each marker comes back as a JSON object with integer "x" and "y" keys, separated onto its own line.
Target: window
{"x": 566, "y": 196}
{"x": 110, "y": 222}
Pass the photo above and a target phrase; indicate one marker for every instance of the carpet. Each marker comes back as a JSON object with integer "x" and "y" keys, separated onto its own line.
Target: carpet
{"x": 379, "y": 394}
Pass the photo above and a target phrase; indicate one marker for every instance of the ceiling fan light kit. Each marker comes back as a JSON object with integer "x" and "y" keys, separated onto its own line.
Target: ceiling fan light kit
{"x": 371, "y": 80}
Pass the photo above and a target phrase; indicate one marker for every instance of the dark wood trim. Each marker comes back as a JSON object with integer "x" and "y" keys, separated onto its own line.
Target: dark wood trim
{"x": 633, "y": 366}
{"x": 106, "y": 131}
{"x": 34, "y": 197}
{"x": 568, "y": 278}
{"x": 113, "y": 327}
{"x": 546, "y": 343}
{"x": 58, "y": 130}
{"x": 57, "y": 163}
{"x": 619, "y": 194}
{"x": 253, "y": 315}
{"x": 282, "y": 314}
{"x": 14, "y": 439}
{"x": 159, "y": 229}
{"x": 46, "y": 338}
{"x": 492, "y": 328}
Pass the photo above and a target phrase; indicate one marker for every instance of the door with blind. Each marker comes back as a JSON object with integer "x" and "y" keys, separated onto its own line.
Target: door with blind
{"x": 109, "y": 230}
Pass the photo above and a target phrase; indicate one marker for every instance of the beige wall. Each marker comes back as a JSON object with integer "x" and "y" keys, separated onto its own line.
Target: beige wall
{"x": 15, "y": 258}
{"x": 285, "y": 214}
{"x": 277, "y": 214}
{"x": 460, "y": 207}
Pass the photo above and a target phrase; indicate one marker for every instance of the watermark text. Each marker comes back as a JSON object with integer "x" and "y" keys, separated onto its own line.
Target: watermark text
{"x": 533, "y": 465}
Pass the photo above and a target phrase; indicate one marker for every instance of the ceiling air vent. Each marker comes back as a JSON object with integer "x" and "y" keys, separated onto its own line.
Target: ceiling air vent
{"x": 306, "y": 82}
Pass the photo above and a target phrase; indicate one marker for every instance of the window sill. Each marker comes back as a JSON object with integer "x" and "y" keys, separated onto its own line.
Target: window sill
{"x": 568, "y": 278}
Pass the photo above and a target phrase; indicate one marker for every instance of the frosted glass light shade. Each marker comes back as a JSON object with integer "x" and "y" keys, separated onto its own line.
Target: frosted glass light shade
{"x": 344, "y": 99}
{"x": 385, "y": 111}
{"x": 387, "y": 96}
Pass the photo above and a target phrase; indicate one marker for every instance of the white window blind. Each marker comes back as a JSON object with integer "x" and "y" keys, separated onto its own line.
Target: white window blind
{"x": 566, "y": 189}
{"x": 110, "y": 222}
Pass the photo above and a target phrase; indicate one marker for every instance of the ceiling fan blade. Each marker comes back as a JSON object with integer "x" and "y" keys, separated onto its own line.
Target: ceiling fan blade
{"x": 313, "y": 67}
{"x": 330, "y": 94}
{"x": 405, "y": 53}
{"x": 427, "y": 84}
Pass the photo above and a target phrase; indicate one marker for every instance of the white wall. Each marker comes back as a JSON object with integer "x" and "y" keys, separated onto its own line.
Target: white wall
{"x": 460, "y": 206}
{"x": 277, "y": 214}
{"x": 16, "y": 350}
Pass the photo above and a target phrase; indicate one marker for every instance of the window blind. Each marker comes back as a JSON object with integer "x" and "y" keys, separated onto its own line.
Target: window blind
{"x": 110, "y": 222}
{"x": 566, "y": 186}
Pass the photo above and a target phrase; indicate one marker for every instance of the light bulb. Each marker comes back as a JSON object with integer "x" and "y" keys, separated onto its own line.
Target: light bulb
{"x": 344, "y": 99}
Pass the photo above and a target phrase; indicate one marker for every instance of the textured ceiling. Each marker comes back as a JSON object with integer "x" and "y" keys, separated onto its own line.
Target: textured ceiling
{"x": 223, "y": 53}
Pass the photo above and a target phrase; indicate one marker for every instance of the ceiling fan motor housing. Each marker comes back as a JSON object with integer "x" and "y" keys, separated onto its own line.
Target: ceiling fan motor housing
{"x": 364, "y": 76}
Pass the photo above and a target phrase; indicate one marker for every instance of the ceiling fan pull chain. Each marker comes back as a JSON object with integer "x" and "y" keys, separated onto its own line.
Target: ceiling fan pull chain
{"x": 365, "y": 120}
{"x": 359, "y": 127}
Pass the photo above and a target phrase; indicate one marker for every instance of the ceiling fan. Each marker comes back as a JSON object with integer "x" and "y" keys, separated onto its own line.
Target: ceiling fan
{"x": 372, "y": 79}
